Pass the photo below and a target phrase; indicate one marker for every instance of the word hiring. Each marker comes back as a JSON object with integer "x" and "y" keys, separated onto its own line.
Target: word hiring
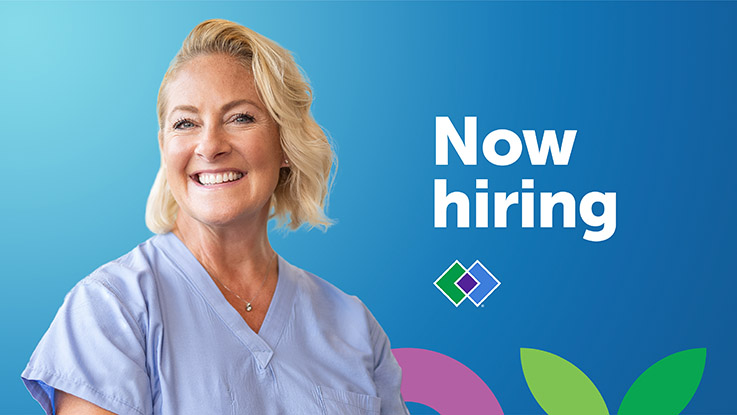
{"x": 538, "y": 152}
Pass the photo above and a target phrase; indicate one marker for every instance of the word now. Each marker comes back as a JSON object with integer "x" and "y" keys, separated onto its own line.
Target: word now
{"x": 446, "y": 132}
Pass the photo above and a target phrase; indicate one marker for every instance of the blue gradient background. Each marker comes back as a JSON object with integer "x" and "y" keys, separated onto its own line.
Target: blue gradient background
{"x": 650, "y": 87}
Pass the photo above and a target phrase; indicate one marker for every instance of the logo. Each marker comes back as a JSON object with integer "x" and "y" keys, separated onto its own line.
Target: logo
{"x": 458, "y": 283}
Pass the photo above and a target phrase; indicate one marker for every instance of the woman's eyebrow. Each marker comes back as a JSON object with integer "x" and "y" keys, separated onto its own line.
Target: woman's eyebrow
{"x": 238, "y": 102}
{"x": 226, "y": 107}
{"x": 187, "y": 108}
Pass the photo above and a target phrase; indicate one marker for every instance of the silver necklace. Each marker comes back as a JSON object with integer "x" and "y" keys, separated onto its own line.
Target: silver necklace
{"x": 248, "y": 303}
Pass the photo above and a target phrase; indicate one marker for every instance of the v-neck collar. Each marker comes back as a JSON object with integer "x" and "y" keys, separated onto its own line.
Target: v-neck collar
{"x": 261, "y": 344}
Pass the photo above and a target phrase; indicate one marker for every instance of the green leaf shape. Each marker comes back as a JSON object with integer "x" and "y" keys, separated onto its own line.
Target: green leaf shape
{"x": 666, "y": 387}
{"x": 558, "y": 386}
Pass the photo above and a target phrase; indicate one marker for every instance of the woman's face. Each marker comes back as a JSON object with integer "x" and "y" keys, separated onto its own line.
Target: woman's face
{"x": 219, "y": 144}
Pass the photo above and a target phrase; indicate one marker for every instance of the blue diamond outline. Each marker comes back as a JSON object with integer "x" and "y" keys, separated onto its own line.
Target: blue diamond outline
{"x": 498, "y": 283}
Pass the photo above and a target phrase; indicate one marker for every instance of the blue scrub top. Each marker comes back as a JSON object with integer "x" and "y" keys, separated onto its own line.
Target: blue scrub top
{"x": 151, "y": 333}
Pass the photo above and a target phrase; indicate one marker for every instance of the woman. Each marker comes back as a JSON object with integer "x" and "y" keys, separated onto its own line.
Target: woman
{"x": 205, "y": 318}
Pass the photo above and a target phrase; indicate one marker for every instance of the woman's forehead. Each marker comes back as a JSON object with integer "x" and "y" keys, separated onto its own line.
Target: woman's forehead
{"x": 211, "y": 81}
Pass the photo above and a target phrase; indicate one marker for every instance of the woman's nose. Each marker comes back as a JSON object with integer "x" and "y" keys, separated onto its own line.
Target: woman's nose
{"x": 213, "y": 143}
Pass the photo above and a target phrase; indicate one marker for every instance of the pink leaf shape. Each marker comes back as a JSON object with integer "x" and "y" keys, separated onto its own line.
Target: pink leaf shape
{"x": 444, "y": 384}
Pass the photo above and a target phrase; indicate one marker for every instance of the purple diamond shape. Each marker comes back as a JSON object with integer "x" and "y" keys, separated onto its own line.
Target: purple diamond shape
{"x": 467, "y": 283}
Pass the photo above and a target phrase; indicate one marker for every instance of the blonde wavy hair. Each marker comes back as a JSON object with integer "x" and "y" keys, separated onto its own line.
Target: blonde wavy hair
{"x": 302, "y": 190}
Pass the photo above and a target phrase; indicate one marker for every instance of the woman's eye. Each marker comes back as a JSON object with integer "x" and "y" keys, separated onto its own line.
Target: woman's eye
{"x": 244, "y": 118}
{"x": 183, "y": 123}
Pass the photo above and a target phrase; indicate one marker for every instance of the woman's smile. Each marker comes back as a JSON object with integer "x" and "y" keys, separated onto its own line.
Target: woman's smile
{"x": 217, "y": 178}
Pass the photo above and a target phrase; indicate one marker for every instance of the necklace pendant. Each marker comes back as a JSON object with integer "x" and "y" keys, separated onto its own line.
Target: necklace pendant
{"x": 248, "y": 307}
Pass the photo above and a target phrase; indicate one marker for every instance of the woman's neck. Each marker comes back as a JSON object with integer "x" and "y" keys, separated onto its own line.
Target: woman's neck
{"x": 236, "y": 254}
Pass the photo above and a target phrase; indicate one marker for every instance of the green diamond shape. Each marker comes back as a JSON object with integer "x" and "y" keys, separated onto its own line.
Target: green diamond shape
{"x": 446, "y": 283}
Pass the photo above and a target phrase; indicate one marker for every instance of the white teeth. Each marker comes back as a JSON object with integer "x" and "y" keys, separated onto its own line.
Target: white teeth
{"x": 210, "y": 179}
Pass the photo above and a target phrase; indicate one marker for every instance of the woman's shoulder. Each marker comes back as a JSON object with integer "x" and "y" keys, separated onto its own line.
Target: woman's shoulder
{"x": 331, "y": 303}
{"x": 135, "y": 272}
{"x": 129, "y": 279}
{"x": 322, "y": 290}
{"x": 130, "y": 266}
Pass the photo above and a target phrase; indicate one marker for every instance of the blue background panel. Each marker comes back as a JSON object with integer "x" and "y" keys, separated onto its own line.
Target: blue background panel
{"x": 650, "y": 88}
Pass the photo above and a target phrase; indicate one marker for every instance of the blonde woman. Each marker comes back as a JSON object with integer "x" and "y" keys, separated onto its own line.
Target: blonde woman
{"x": 204, "y": 317}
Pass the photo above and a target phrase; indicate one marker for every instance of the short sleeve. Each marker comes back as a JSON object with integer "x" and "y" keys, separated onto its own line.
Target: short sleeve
{"x": 387, "y": 372}
{"x": 95, "y": 350}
